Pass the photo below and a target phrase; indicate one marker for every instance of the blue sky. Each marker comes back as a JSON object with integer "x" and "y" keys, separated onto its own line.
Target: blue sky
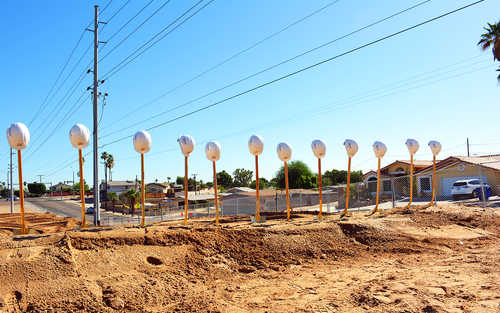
{"x": 428, "y": 83}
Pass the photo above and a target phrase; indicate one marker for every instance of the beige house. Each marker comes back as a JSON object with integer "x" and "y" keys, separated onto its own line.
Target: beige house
{"x": 157, "y": 188}
{"x": 454, "y": 168}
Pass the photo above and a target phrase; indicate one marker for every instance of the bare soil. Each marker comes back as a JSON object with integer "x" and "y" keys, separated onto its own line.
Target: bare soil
{"x": 427, "y": 259}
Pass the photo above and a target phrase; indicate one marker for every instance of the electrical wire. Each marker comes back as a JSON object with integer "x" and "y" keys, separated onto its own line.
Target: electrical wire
{"x": 126, "y": 24}
{"x": 111, "y": 73}
{"x": 134, "y": 30}
{"x": 230, "y": 58}
{"x": 45, "y": 102}
{"x": 301, "y": 70}
{"x": 253, "y": 75}
{"x": 42, "y": 107}
{"x": 311, "y": 67}
{"x": 53, "y": 131}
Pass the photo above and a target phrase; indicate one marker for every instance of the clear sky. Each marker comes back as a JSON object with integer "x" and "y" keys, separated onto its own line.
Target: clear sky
{"x": 428, "y": 83}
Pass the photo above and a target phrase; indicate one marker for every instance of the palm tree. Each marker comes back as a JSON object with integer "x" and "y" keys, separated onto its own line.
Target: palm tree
{"x": 104, "y": 157}
{"x": 111, "y": 163}
{"x": 132, "y": 196}
{"x": 113, "y": 196}
{"x": 491, "y": 39}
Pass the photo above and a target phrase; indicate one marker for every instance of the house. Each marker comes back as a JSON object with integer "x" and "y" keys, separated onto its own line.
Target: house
{"x": 157, "y": 188}
{"x": 454, "y": 168}
{"x": 60, "y": 186}
{"x": 399, "y": 168}
{"x": 239, "y": 190}
{"x": 119, "y": 186}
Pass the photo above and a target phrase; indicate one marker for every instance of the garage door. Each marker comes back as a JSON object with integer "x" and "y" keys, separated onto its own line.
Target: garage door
{"x": 447, "y": 182}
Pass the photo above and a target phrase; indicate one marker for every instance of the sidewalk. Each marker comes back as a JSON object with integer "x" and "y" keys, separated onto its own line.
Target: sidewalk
{"x": 5, "y": 207}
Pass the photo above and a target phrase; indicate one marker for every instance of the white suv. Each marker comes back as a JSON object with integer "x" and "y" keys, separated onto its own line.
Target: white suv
{"x": 462, "y": 188}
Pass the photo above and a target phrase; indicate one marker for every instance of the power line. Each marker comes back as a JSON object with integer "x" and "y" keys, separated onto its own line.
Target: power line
{"x": 108, "y": 75}
{"x": 54, "y": 130}
{"x": 253, "y": 75}
{"x": 127, "y": 23}
{"x": 45, "y": 102}
{"x": 289, "y": 119}
{"x": 134, "y": 29}
{"x": 227, "y": 60}
{"x": 42, "y": 107}
{"x": 301, "y": 70}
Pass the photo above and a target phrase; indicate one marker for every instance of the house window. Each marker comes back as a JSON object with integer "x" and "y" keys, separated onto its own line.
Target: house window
{"x": 386, "y": 185}
{"x": 372, "y": 184}
{"x": 425, "y": 184}
{"x": 400, "y": 170}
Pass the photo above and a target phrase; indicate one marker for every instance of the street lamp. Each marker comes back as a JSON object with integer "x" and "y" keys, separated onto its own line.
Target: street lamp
{"x": 79, "y": 135}
{"x": 186, "y": 143}
{"x": 256, "y": 147}
{"x": 412, "y": 146}
{"x": 212, "y": 150}
{"x": 380, "y": 149}
{"x": 351, "y": 147}
{"x": 18, "y": 137}
{"x": 435, "y": 148}
{"x": 319, "y": 149}
{"x": 142, "y": 144}
{"x": 285, "y": 154}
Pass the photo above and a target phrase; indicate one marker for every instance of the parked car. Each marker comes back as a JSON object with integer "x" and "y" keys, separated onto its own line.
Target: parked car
{"x": 467, "y": 188}
{"x": 16, "y": 198}
{"x": 90, "y": 210}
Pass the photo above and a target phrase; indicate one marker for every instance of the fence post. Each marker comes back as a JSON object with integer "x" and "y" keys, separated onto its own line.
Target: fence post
{"x": 237, "y": 201}
{"x": 357, "y": 187}
{"x": 328, "y": 199}
{"x": 480, "y": 168}
{"x": 300, "y": 199}
{"x": 393, "y": 193}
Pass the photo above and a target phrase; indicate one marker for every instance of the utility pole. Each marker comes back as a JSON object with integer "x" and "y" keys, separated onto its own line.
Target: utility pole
{"x": 194, "y": 175}
{"x": 40, "y": 178}
{"x": 95, "y": 92}
{"x": 468, "y": 147}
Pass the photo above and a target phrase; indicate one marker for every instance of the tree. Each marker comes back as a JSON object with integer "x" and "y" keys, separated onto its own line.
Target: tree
{"x": 209, "y": 184}
{"x": 338, "y": 177}
{"x": 37, "y": 188}
{"x": 242, "y": 177}
{"x": 224, "y": 179}
{"x": 179, "y": 180}
{"x": 85, "y": 186}
{"x": 113, "y": 197}
{"x": 356, "y": 176}
{"x": 131, "y": 196}
{"x": 491, "y": 39}
{"x": 262, "y": 184}
{"x": 325, "y": 181}
{"x": 104, "y": 157}
{"x": 299, "y": 176}
{"x": 168, "y": 179}
{"x": 110, "y": 163}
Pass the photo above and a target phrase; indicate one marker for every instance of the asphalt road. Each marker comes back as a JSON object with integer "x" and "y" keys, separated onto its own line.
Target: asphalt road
{"x": 65, "y": 208}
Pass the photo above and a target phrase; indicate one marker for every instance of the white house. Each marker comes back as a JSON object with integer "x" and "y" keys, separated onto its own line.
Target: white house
{"x": 119, "y": 186}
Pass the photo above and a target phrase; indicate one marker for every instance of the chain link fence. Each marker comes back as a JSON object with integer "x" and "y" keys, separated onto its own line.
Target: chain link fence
{"x": 455, "y": 182}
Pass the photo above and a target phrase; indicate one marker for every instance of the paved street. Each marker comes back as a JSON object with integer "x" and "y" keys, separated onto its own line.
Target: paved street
{"x": 66, "y": 208}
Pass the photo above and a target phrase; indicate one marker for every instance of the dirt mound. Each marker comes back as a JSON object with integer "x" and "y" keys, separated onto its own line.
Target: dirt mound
{"x": 46, "y": 223}
{"x": 436, "y": 259}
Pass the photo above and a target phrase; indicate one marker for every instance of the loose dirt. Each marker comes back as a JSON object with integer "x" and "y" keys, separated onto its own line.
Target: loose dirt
{"x": 427, "y": 259}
